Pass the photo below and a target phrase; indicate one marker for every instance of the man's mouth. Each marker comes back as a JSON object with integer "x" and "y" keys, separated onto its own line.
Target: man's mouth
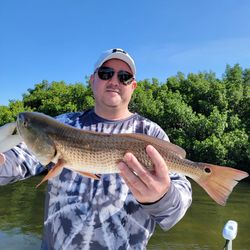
{"x": 113, "y": 90}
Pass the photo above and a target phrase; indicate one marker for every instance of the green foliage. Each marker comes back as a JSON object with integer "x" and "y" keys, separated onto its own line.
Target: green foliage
{"x": 58, "y": 97}
{"x": 9, "y": 113}
{"x": 207, "y": 116}
{"x": 143, "y": 100}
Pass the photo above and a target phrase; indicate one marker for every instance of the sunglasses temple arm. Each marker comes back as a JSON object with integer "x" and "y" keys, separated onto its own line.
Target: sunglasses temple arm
{"x": 129, "y": 81}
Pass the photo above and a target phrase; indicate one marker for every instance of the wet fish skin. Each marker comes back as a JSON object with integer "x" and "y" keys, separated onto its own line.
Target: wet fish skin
{"x": 87, "y": 150}
{"x": 98, "y": 153}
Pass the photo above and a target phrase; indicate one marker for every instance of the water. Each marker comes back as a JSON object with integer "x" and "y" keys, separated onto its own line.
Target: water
{"x": 201, "y": 228}
{"x": 21, "y": 220}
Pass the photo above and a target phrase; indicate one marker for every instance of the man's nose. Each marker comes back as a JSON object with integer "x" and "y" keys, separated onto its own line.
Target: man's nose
{"x": 114, "y": 80}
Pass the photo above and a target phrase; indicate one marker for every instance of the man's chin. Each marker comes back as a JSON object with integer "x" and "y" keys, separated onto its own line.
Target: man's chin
{"x": 113, "y": 102}
{"x": 114, "y": 106}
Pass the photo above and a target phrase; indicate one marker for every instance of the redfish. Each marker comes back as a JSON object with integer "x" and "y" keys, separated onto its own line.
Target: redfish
{"x": 91, "y": 153}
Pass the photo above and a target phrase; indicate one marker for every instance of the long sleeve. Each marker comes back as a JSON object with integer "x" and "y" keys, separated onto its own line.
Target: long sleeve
{"x": 172, "y": 207}
{"x": 19, "y": 165}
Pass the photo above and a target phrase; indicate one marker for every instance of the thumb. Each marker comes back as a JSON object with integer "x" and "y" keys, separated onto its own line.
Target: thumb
{"x": 9, "y": 137}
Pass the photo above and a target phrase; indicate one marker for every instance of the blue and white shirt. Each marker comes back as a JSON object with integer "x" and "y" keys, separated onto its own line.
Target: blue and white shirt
{"x": 83, "y": 213}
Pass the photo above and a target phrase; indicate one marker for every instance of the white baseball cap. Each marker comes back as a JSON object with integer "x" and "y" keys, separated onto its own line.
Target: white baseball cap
{"x": 116, "y": 53}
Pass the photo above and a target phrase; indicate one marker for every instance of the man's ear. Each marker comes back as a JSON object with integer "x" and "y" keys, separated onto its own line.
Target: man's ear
{"x": 134, "y": 84}
{"x": 91, "y": 80}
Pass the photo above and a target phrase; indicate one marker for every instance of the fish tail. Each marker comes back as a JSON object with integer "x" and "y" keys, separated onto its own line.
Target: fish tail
{"x": 219, "y": 181}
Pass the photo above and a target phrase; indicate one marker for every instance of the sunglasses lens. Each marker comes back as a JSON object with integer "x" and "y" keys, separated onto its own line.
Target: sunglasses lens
{"x": 124, "y": 77}
{"x": 105, "y": 73}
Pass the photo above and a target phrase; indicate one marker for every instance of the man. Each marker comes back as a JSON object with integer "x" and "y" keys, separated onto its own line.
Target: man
{"x": 119, "y": 211}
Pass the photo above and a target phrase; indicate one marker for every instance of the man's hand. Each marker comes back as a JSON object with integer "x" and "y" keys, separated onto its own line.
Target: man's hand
{"x": 9, "y": 138}
{"x": 146, "y": 186}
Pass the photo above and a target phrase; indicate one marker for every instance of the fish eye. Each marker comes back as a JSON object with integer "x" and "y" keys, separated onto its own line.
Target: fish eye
{"x": 207, "y": 170}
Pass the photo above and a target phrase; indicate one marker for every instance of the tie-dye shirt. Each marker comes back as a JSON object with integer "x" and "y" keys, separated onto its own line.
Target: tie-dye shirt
{"x": 83, "y": 213}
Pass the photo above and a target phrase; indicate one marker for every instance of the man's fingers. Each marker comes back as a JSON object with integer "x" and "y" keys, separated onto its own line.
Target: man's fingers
{"x": 137, "y": 168}
{"x": 131, "y": 178}
{"x": 160, "y": 166}
{"x": 134, "y": 190}
{"x": 145, "y": 186}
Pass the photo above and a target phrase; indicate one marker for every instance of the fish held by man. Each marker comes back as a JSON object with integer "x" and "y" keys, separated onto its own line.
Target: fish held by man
{"x": 90, "y": 153}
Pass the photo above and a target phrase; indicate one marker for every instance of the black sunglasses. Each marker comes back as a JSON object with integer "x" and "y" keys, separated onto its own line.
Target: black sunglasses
{"x": 106, "y": 73}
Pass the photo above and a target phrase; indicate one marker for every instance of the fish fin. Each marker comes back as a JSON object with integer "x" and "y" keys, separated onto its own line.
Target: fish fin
{"x": 154, "y": 141}
{"x": 219, "y": 181}
{"x": 56, "y": 170}
{"x": 89, "y": 175}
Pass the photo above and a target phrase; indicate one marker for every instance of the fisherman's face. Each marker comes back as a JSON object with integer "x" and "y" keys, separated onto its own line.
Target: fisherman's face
{"x": 112, "y": 93}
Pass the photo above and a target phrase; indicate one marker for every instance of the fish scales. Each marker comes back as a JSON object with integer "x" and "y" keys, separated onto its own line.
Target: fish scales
{"x": 100, "y": 153}
{"x": 97, "y": 153}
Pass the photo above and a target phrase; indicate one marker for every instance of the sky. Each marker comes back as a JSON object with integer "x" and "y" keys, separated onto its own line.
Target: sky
{"x": 58, "y": 40}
